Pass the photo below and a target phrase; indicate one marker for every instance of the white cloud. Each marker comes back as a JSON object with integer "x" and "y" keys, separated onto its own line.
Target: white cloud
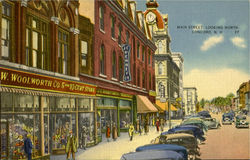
{"x": 239, "y": 42}
{"x": 213, "y": 83}
{"x": 211, "y": 42}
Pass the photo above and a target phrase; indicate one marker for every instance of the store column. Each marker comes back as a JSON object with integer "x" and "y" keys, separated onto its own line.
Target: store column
{"x": 118, "y": 118}
{"x": 77, "y": 129}
{"x": 42, "y": 124}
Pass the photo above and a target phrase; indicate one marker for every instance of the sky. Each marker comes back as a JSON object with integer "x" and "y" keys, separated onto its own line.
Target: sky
{"x": 215, "y": 63}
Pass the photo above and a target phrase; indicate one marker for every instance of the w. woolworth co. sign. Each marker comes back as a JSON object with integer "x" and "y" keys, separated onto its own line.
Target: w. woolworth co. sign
{"x": 20, "y": 79}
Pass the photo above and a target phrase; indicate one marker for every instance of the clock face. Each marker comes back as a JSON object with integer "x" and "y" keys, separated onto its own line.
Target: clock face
{"x": 150, "y": 17}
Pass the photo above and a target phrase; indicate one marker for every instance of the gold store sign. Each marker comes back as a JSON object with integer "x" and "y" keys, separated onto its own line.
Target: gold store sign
{"x": 112, "y": 93}
{"x": 14, "y": 78}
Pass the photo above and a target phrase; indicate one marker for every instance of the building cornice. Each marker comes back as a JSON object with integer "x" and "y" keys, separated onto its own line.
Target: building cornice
{"x": 114, "y": 83}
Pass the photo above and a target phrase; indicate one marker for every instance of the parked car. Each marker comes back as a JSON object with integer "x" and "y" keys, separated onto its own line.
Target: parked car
{"x": 212, "y": 123}
{"x": 204, "y": 114}
{"x": 193, "y": 130}
{"x": 241, "y": 122}
{"x": 172, "y": 147}
{"x": 152, "y": 155}
{"x": 183, "y": 139}
{"x": 197, "y": 122}
{"x": 227, "y": 118}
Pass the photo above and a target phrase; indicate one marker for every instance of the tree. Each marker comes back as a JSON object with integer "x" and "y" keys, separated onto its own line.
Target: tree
{"x": 202, "y": 103}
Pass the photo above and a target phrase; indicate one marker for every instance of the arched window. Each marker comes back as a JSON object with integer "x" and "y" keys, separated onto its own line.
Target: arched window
{"x": 114, "y": 64}
{"x": 160, "y": 50}
{"x": 150, "y": 81}
{"x": 160, "y": 68}
{"x": 102, "y": 60}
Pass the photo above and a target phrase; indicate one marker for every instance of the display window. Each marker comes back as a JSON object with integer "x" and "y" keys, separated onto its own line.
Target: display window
{"x": 62, "y": 104}
{"x": 125, "y": 118}
{"x": 87, "y": 120}
{"x": 14, "y": 132}
{"x": 85, "y": 104}
{"x": 60, "y": 125}
{"x": 108, "y": 117}
{"x": 25, "y": 103}
{"x": 46, "y": 133}
{"x": 6, "y": 102}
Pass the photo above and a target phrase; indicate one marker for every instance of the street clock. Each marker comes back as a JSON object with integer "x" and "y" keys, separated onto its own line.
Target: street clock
{"x": 151, "y": 17}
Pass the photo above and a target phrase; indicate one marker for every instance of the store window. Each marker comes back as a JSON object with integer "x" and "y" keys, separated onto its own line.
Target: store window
{"x": 6, "y": 102}
{"x": 102, "y": 60}
{"x": 87, "y": 120}
{"x": 7, "y": 19}
{"x": 84, "y": 52}
{"x": 36, "y": 42}
{"x": 125, "y": 113}
{"x": 62, "y": 104}
{"x": 101, "y": 17}
{"x": 60, "y": 125}
{"x": 114, "y": 63}
{"x": 46, "y": 134}
{"x": 25, "y": 103}
{"x": 63, "y": 51}
{"x": 85, "y": 104}
{"x": 18, "y": 128}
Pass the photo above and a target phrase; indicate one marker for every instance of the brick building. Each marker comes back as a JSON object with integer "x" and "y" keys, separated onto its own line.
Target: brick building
{"x": 117, "y": 23}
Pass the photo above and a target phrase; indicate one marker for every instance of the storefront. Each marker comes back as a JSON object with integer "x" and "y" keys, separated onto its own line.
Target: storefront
{"x": 46, "y": 108}
{"x": 113, "y": 109}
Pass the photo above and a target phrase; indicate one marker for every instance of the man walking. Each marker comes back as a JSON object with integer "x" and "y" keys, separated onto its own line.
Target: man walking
{"x": 28, "y": 146}
{"x": 71, "y": 146}
{"x": 84, "y": 137}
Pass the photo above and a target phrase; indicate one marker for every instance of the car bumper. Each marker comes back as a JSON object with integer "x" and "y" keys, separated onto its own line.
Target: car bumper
{"x": 242, "y": 126}
{"x": 227, "y": 122}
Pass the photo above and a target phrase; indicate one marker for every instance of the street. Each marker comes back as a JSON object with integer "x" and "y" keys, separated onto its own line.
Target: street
{"x": 227, "y": 142}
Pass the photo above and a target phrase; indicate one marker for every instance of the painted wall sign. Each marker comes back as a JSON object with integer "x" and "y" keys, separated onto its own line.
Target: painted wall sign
{"x": 14, "y": 78}
{"x": 126, "y": 50}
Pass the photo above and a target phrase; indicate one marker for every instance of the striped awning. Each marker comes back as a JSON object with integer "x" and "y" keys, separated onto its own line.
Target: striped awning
{"x": 40, "y": 93}
{"x": 144, "y": 105}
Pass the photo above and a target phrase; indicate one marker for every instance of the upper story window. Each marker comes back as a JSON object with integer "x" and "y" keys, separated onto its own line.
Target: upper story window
{"x": 143, "y": 53}
{"x": 138, "y": 50}
{"x": 149, "y": 55}
{"x": 63, "y": 51}
{"x": 120, "y": 35}
{"x": 101, "y": 17}
{"x": 149, "y": 79}
{"x": 36, "y": 42}
{"x": 84, "y": 52}
{"x": 160, "y": 50}
{"x": 114, "y": 64}
{"x": 127, "y": 37}
{"x": 160, "y": 68}
{"x": 143, "y": 80}
{"x": 7, "y": 19}
{"x": 138, "y": 77}
{"x": 113, "y": 26}
{"x": 120, "y": 68}
{"x": 102, "y": 60}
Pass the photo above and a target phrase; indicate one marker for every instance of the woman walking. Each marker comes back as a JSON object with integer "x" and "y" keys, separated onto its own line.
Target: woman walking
{"x": 131, "y": 131}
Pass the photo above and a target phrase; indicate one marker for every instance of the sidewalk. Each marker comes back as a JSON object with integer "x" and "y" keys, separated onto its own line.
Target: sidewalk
{"x": 115, "y": 149}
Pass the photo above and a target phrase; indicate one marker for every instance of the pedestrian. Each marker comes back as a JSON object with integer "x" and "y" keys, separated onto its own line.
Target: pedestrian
{"x": 131, "y": 131}
{"x": 162, "y": 124}
{"x": 114, "y": 132}
{"x": 71, "y": 146}
{"x": 146, "y": 126}
{"x": 84, "y": 137}
{"x": 140, "y": 128}
{"x": 107, "y": 132}
{"x": 157, "y": 124}
{"x": 28, "y": 146}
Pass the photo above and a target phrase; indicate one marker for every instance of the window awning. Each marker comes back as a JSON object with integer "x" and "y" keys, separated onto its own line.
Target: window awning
{"x": 164, "y": 106}
{"x": 144, "y": 105}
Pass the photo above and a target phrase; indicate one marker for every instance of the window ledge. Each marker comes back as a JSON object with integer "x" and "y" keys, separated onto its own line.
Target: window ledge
{"x": 138, "y": 87}
{"x": 134, "y": 85}
{"x": 129, "y": 84}
{"x": 144, "y": 89}
{"x": 114, "y": 79}
{"x": 121, "y": 82}
{"x": 102, "y": 31}
{"x": 114, "y": 39}
{"x": 102, "y": 75}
